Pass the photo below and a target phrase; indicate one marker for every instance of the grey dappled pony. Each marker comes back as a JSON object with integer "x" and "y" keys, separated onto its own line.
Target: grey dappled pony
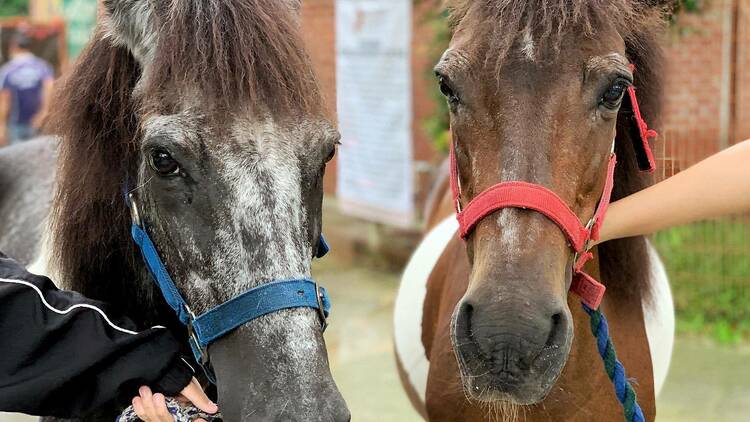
{"x": 210, "y": 114}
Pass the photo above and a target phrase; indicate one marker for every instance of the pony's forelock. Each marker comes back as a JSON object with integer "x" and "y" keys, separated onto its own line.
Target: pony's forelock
{"x": 243, "y": 53}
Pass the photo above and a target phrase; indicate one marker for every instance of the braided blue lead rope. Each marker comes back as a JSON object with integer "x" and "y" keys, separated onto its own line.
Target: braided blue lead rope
{"x": 615, "y": 370}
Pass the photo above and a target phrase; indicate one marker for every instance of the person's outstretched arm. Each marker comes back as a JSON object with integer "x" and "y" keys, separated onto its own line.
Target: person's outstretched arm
{"x": 64, "y": 355}
{"x": 4, "y": 114}
{"x": 717, "y": 186}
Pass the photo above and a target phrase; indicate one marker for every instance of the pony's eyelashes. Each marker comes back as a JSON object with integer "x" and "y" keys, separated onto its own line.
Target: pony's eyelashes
{"x": 447, "y": 89}
{"x": 612, "y": 97}
{"x": 331, "y": 153}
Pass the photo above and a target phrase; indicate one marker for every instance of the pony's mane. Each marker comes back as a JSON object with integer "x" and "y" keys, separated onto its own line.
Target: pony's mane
{"x": 234, "y": 53}
{"x": 499, "y": 24}
{"x": 95, "y": 118}
{"x": 238, "y": 55}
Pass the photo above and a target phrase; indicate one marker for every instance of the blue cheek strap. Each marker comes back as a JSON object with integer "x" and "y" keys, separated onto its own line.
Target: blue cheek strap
{"x": 220, "y": 320}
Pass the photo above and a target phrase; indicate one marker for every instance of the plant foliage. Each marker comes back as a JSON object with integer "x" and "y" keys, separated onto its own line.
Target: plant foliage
{"x": 14, "y": 7}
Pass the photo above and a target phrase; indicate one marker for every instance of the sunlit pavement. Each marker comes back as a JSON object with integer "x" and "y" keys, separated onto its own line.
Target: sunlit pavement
{"x": 706, "y": 382}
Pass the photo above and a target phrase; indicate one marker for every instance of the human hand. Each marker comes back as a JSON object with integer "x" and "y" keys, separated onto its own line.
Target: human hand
{"x": 153, "y": 407}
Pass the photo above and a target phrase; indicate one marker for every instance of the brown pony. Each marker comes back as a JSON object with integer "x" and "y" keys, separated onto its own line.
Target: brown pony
{"x": 535, "y": 90}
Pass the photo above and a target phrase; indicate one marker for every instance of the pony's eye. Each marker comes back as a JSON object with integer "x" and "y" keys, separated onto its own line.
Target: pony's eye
{"x": 612, "y": 97}
{"x": 446, "y": 90}
{"x": 163, "y": 163}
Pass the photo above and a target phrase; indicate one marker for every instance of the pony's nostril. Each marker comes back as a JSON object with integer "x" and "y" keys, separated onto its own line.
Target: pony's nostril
{"x": 342, "y": 415}
{"x": 465, "y": 314}
{"x": 468, "y": 310}
{"x": 556, "y": 329}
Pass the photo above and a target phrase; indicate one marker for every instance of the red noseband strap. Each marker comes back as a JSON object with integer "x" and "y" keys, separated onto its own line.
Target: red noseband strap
{"x": 538, "y": 198}
{"x": 525, "y": 196}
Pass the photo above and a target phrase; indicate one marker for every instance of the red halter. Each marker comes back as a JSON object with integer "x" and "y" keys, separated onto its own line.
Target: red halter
{"x": 535, "y": 197}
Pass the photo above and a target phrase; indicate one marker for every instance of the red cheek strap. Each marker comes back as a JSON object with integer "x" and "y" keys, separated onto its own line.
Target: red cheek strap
{"x": 640, "y": 132}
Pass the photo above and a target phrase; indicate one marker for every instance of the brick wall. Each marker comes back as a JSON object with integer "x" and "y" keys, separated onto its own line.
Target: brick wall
{"x": 742, "y": 71}
{"x": 707, "y": 101}
{"x": 318, "y": 27}
{"x": 423, "y": 82}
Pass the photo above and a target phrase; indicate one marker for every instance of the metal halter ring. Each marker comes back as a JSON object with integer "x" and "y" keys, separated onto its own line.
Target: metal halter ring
{"x": 321, "y": 309}
{"x": 202, "y": 350}
{"x": 587, "y": 243}
{"x": 135, "y": 215}
{"x": 204, "y": 360}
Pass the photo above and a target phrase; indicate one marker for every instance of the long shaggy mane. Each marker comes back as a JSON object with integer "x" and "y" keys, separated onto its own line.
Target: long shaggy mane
{"x": 95, "y": 118}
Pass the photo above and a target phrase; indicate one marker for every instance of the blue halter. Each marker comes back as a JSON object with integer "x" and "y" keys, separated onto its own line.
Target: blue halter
{"x": 220, "y": 320}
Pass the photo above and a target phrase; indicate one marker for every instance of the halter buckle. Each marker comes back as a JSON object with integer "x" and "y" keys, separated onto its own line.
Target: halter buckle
{"x": 589, "y": 226}
{"x": 321, "y": 308}
{"x": 198, "y": 349}
{"x": 200, "y": 354}
{"x": 586, "y": 244}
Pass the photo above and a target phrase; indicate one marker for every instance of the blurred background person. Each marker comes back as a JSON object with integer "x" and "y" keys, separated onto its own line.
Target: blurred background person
{"x": 25, "y": 89}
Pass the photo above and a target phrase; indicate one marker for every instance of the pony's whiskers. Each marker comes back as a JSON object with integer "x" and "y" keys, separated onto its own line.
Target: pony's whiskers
{"x": 142, "y": 185}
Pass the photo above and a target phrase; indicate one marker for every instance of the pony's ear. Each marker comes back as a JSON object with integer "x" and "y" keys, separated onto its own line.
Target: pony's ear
{"x": 130, "y": 23}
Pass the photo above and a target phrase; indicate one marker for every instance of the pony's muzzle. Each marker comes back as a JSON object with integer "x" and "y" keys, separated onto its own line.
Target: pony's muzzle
{"x": 256, "y": 382}
{"x": 511, "y": 349}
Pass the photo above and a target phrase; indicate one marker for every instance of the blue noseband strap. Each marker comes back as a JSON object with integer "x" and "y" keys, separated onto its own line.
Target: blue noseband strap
{"x": 220, "y": 320}
{"x": 254, "y": 303}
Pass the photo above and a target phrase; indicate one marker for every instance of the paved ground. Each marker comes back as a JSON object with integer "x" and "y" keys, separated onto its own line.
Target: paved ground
{"x": 706, "y": 382}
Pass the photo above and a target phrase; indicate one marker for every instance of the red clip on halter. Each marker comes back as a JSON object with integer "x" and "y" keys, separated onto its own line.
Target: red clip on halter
{"x": 535, "y": 197}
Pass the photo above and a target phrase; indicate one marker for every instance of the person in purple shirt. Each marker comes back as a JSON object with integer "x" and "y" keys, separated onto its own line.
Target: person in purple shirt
{"x": 25, "y": 88}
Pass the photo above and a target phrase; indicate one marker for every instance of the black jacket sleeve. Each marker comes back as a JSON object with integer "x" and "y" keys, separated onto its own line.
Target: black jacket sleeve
{"x": 64, "y": 355}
